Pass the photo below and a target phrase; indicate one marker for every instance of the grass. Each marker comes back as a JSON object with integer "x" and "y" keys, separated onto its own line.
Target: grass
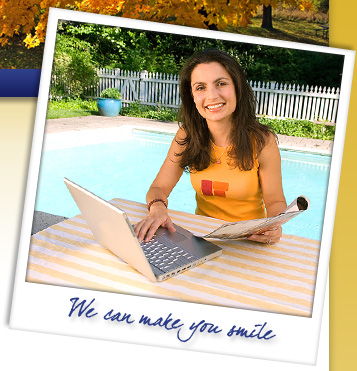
{"x": 288, "y": 25}
{"x": 292, "y": 13}
{"x": 292, "y": 127}
{"x": 71, "y": 108}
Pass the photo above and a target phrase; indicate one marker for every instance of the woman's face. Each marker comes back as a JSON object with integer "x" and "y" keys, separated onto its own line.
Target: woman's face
{"x": 213, "y": 92}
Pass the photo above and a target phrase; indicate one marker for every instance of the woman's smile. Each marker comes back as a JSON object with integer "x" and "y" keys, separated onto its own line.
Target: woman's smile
{"x": 215, "y": 106}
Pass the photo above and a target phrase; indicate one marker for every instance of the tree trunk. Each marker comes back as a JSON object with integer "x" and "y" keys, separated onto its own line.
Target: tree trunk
{"x": 267, "y": 17}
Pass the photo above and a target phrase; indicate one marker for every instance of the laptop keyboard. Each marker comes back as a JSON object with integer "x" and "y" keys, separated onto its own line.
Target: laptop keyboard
{"x": 166, "y": 258}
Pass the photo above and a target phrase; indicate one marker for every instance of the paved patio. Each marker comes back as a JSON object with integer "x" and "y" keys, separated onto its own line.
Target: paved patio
{"x": 69, "y": 125}
{"x": 101, "y": 122}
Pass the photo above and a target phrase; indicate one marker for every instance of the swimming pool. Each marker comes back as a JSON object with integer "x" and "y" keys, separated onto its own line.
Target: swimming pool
{"x": 126, "y": 168}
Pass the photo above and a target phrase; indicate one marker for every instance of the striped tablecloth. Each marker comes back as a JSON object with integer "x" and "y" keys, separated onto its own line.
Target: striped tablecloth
{"x": 276, "y": 278}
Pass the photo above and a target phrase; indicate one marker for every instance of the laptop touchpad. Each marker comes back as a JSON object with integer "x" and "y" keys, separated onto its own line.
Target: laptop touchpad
{"x": 172, "y": 236}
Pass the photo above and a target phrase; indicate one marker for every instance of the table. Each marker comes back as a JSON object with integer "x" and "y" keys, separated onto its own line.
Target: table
{"x": 276, "y": 278}
{"x": 324, "y": 29}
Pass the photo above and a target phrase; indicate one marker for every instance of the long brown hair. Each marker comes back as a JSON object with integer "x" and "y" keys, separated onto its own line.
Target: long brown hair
{"x": 248, "y": 135}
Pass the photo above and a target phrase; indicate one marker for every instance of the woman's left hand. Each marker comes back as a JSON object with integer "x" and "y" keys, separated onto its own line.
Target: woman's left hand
{"x": 269, "y": 236}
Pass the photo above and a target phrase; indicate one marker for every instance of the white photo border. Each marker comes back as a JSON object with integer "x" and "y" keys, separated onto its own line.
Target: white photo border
{"x": 45, "y": 308}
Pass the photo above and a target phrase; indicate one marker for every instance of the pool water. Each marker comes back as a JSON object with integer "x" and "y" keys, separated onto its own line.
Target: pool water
{"x": 125, "y": 169}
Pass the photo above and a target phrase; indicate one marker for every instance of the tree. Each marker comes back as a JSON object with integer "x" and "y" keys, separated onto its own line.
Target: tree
{"x": 73, "y": 67}
{"x": 29, "y": 17}
{"x": 267, "y": 17}
{"x": 268, "y": 6}
{"x": 129, "y": 49}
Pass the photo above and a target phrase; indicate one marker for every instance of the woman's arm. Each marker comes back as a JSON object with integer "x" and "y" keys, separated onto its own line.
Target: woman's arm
{"x": 272, "y": 188}
{"x": 160, "y": 189}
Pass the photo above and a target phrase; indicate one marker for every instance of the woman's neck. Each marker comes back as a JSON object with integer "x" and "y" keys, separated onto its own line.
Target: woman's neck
{"x": 220, "y": 134}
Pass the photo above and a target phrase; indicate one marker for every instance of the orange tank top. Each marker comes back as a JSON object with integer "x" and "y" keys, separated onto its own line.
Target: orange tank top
{"x": 228, "y": 193}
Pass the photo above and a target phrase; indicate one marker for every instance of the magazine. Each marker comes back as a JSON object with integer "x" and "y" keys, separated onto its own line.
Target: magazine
{"x": 246, "y": 228}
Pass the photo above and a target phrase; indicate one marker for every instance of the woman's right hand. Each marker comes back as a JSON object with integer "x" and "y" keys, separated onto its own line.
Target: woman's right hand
{"x": 157, "y": 217}
{"x": 169, "y": 174}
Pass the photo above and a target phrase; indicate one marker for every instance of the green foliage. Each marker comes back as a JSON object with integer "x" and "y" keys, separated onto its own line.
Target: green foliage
{"x": 105, "y": 41}
{"x": 73, "y": 67}
{"x": 66, "y": 108}
{"x": 321, "y": 5}
{"x": 291, "y": 66}
{"x": 111, "y": 93}
{"x": 115, "y": 47}
{"x": 137, "y": 50}
{"x": 300, "y": 128}
{"x": 149, "y": 112}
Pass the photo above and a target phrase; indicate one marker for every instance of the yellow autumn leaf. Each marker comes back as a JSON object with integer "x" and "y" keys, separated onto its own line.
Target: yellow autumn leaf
{"x": 31, "y": 16}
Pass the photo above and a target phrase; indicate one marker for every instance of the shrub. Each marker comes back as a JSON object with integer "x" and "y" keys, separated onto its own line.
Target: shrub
{"x": 149, "y": 112}
{"x": 111, "y": 93}
{"x": 73, "y": 68}
{"x": 300, "y": 128}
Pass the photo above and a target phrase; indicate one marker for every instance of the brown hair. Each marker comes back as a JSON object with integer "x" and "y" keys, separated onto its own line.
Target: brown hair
{"x": 248, "y": 136}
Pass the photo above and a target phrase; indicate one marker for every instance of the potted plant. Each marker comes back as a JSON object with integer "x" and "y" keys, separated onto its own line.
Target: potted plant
{"x": 109, "y": 102}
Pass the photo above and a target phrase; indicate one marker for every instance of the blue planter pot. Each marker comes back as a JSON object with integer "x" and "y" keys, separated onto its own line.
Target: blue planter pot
{"x": 109, "y": 107}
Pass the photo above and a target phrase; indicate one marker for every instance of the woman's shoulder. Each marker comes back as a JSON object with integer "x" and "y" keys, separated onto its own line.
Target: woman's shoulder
{"x": 270, "y": 149}
{"x": 271, "y": 139}
{"x": 262, "y": 139}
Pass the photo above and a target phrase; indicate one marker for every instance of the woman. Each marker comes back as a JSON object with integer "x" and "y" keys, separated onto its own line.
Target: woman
{"x": 234, "y": 161}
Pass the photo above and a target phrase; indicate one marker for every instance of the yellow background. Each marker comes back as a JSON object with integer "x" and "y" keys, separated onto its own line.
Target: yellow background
{"x": 16, "y": 123}
{"x": 343, "y": 276}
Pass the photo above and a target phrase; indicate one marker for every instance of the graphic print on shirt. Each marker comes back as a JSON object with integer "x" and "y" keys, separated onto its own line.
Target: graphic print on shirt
{"x": 214, "y": 188}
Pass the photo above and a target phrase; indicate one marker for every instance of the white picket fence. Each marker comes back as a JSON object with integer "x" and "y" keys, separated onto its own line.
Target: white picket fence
{"x": 144, "y": 87}
{"x": 273, "y": 99}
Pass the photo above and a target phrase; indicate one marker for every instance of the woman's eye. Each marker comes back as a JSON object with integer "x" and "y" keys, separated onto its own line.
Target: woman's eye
{"x": 222, "y": 83}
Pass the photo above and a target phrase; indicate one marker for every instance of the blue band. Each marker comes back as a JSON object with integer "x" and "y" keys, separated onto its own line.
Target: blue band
{"x": 19, "y": 83}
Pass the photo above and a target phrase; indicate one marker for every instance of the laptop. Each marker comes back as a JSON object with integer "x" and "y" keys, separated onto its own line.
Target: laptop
{"x": 166, "y": 255}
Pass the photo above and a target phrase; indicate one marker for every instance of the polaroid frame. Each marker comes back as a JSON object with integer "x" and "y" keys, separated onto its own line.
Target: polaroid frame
{"x": 46, "y": 308}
